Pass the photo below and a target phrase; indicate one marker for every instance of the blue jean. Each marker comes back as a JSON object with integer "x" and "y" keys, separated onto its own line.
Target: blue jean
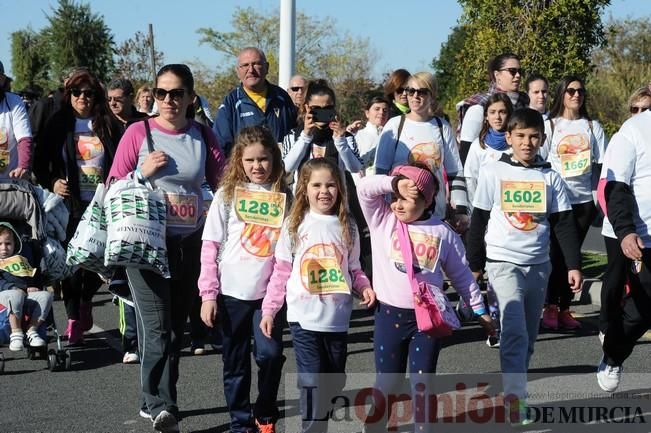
{"x": 397, "y": 340}
{"x": 520, "y": 293}
{"x": 321, "y": 365}
{"x": 239, "y": 321}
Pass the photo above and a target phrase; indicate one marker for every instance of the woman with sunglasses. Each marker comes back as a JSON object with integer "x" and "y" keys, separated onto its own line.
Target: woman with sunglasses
{"x": 504, "y": 75}
{"x": 422, "y": 136}
{"x": 395, "y": 90}
{"x": 185, "y": 153}
{"x": 576, "y": 146}
{"x": 79, "y": 141}
{"x": 640, "y": 100}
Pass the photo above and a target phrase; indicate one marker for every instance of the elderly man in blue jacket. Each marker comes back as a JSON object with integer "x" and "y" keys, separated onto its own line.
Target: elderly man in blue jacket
{"x": 254, "y": 102}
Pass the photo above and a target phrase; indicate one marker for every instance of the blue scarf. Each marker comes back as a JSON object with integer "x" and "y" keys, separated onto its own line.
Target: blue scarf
{"x": 496, "y": 140}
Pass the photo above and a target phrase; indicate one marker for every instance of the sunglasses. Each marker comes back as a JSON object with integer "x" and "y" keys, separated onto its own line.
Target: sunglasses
{"x": 635, "y": 110}
{"x": 295, "y": 88}
{"x": 572, "y": 91}
{"x": 420, "y": 92}
{"x": 161, "y": 94}
{"x": 513, "y": 71}
{"x": 118, "y": 99}
{"x": 88, "y": 93}
{"x": 401, "y": 90}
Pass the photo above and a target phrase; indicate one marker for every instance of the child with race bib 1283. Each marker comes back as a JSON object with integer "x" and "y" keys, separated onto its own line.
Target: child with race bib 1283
{"x": 239, "y": 239}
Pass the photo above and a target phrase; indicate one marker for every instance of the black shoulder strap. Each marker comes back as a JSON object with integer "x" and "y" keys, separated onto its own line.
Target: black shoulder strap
{"x": 440, "y": 125}
{"x": 150, "y": 140}
{"x": 400, "y": 126}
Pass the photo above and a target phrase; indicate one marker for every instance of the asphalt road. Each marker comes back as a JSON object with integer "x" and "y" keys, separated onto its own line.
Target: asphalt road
{"x": 100, "y": 394}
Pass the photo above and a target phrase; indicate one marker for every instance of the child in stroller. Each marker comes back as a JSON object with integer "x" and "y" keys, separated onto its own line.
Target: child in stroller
{"x": 20, "y": 289}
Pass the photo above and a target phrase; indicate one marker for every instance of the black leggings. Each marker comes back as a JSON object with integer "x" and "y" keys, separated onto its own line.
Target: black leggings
{"x": 558, "y": 290}
{"x": 614, "y": 279}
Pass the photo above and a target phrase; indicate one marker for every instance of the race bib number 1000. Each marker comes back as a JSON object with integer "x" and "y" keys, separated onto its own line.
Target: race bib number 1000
{"x": 182, "y": 209}
{"x": 524, "y": 196}
{"x": 264, "y": 208}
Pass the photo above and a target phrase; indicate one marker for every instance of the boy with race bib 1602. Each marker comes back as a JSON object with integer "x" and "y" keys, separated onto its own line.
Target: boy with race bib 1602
{"x": 519, "y": 198}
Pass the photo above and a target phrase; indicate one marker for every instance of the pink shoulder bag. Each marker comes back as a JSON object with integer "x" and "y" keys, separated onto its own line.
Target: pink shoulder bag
{"x": 434, "y": 315}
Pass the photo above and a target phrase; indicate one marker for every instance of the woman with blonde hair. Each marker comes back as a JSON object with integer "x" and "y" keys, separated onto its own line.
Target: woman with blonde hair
{"x": 421, "y": 135}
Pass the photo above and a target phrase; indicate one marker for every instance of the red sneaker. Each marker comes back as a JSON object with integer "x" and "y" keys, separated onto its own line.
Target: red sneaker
{"x": 550, "y": 317}
{"x": 566, "y": 320}
{"x": 265, "y": 428}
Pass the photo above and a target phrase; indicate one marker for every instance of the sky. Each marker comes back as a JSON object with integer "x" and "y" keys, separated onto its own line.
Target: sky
{"x": 389, "y": 28}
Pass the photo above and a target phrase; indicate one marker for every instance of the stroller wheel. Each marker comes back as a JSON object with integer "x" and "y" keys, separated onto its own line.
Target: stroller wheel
{"x": 67, "y": 360}
{"x": 52, "y": 360}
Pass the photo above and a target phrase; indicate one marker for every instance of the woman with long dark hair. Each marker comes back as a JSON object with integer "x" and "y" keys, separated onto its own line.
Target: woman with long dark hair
{"x": 79, "y": 141}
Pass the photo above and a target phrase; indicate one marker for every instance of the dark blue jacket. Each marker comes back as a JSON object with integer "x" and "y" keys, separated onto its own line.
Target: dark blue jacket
{"x": 238, "y": 111}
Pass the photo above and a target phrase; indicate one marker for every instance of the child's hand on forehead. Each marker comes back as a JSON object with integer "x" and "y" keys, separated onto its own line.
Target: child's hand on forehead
{"x": 407, "y": 189}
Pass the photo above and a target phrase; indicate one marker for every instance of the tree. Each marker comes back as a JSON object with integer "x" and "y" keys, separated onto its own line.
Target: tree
{"x": 77, "y": 37}
{"x": 133, "y": 59}
{"x": 552, "y": 37}
{"x": 28, "y": 60}
{"x": 621, "y": 66}
{"x": 322, "y": 50}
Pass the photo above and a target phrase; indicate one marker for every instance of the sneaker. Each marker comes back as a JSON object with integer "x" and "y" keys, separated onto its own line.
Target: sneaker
{"x": 86, "y": 316}
{"x": 197, "y": 348}
{"x": 130, "y": 358}
{"x": 165, "y": 422}
{"x": 602, "y": 337}
{"x": 493, "y": 340}
{"x": 265, "y": 428}
{"x": 74, "y": 333}
{"x": 608, "y": 376}
{"x": 519, "y": 415}
{"x": 16, "y": 341}
{"x": 34, "y": 339}
{"x": 567, "y": 321}
{"x": 144, "y": 414}
{"x": 550, "y": 317}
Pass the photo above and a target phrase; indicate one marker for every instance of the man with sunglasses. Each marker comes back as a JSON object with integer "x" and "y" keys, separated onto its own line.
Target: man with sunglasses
{"x": 297, "y": 88}
{"x": 15, "y": 132}
{"x": 254, "y": 102}
{"x": 120, "y": 99}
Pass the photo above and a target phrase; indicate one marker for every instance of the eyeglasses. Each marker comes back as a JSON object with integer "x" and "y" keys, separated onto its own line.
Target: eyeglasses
{"x": 572, "y": 91}
{"x": 401, "y": 90}
{"x": 88, "y": 93}
{"x": 513, "y": 71}
{"x": 161, "y": 94}
{"x": 635, "y": 110}
{"x": 256, "y": 65}
{"x": 118, "y": 99}
{"x": 420, "y": 92}
{"x": 296, "y": 88}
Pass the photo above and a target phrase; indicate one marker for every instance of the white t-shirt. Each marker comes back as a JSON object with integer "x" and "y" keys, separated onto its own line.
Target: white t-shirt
{"x": 90, "y": 158}
{"x": 629, "y": 161}
{"x": 320, "y": 284}
{"x": 14, "y": 126}
{"x": 367, "y": 140}
{"x": 472, "y": 122}
{"x": 477, "y": 159}
{"x": 247, "y": 258}
{"x": 573, "y": 147}
{"x": 519, "y": 236}
{"x": 421, "y": 141}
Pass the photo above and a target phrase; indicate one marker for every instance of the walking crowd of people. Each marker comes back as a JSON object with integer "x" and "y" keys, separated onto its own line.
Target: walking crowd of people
{"x": 293, "y": 211}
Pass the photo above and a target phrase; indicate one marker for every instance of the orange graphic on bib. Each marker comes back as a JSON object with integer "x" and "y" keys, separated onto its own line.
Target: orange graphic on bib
{"x": 573, "y": 144}
{"x": 321, "y": 259}
{"x": 428, "y": 153}
{"x": 521, "y": 220}
{"x": 88, "y": 148}
{"x": 259, "y": 240}
{"x": 4, "y": 139}
{"x": 575, "y": 154}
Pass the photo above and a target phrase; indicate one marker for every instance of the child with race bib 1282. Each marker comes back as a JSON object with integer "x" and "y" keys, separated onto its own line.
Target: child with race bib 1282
{"x": 317, "y": 269}
{"x": 239, "y": 239}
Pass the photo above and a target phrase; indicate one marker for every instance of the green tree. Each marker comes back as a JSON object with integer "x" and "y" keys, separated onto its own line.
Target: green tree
{"x": 552, "y": 37}
{"x": 621, "y": 66}
{"x": 132, "y": 59}
{"x": 77, "y": 37}
{"x": 322, "y": 50}
{"x": 28, "y": 60}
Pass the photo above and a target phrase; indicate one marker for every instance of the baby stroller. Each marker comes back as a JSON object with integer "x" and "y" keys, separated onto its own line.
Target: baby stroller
{"x": 39, "y": 218}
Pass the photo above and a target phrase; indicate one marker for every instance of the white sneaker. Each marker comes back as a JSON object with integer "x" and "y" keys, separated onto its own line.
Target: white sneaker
{"x": 145, "y": 414}
{"x": 165, "y": 422}
{"x": 602, "y": 336}
{"x": 16, "y": 341}
{"x": 130, "y": 358}
{"x": 608, "y": 376}
{"x": 34, "y": 339}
